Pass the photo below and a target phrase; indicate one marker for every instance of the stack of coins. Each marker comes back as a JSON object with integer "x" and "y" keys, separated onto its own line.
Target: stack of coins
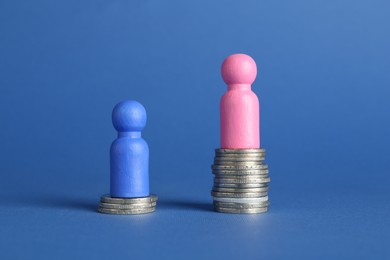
{"x": 143, "y": 205}
{"x": 240, "y": 181}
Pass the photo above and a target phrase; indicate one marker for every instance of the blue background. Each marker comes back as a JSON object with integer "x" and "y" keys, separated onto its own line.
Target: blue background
{"x": 324, "y": 88}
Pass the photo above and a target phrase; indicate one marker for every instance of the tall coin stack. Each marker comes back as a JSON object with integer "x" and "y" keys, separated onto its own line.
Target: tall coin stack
{"x": 240, "y": 181}
{"x": 143, "y": 205}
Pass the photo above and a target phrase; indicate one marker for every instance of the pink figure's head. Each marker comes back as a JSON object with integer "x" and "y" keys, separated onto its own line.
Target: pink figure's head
{"x": 239, "y": 69}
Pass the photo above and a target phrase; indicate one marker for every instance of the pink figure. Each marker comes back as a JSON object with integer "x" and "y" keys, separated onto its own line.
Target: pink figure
{"x": 240, "y": 110}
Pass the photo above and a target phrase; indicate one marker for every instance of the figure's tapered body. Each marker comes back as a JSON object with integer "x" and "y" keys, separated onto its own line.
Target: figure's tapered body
{"x": 240, "y": 118}
{"x": 129, "y": 158}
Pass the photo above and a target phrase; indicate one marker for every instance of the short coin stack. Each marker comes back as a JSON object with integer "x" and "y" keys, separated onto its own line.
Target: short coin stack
{"x": 143, "y": 205}
{"x": 240, "y": 181}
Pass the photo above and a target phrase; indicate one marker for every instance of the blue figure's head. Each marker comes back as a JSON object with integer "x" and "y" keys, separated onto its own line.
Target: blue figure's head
{"x": 129, "y": 116}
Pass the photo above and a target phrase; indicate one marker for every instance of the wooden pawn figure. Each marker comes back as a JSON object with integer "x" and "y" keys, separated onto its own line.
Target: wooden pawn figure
{"x": 239, "y": 107}
{"x": 129, "y": 153}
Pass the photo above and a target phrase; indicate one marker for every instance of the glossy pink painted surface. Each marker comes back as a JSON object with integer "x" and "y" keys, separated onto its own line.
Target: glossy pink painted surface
{"x": 239, "y": 107}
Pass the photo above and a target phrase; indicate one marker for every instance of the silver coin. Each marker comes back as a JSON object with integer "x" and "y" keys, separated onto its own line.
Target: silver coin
{"x": 241, "y": 205}
{"x": 127, "y": 206}
{"x": 228, "y": 169}
{"x": 241, "y": 200}
{"x": 239, "y": 156}
{"x": 109, "y": 199}
{"x": 236, "y": 190}
{"x": 238, "y": 195}
{"x": 240, "y": 174}
{"x": 240, "y": 185}
{"x": 237, "y": 164}
{"x": 127, "y": 211}
{"x": 239, "y": 151}
{"x": 242, "y": 180}
{"x": 241, "y": 211}
{"x": 240, "y": 167}
{"x": 229, "y": 161}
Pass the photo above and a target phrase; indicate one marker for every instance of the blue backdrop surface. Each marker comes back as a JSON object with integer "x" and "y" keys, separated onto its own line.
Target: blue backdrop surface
{"x": 324, "y": 89}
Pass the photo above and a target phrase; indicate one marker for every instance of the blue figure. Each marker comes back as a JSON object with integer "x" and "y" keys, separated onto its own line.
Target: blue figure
{"x": 129, "y": 154}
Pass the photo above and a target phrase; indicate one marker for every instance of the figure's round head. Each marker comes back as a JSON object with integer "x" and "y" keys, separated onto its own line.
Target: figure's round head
{"x": 129, "y": 116}
{"x": 239, "y": 69}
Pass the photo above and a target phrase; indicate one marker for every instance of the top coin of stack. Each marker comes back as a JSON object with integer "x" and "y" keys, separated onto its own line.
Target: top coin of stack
{"x": 240, "y": 181}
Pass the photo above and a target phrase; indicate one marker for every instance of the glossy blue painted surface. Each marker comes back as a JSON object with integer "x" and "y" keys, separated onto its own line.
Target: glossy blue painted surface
{"x": 323, "y": 84}
{"x": 129, "y": 153}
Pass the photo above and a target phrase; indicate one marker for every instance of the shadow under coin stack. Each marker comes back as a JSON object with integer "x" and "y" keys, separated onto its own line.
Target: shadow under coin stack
{"x": 111, "y": 205}
{"x": 240, "y": 181}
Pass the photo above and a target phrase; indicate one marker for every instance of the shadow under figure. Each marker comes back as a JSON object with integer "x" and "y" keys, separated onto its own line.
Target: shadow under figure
{"x": 183, "y": 204}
